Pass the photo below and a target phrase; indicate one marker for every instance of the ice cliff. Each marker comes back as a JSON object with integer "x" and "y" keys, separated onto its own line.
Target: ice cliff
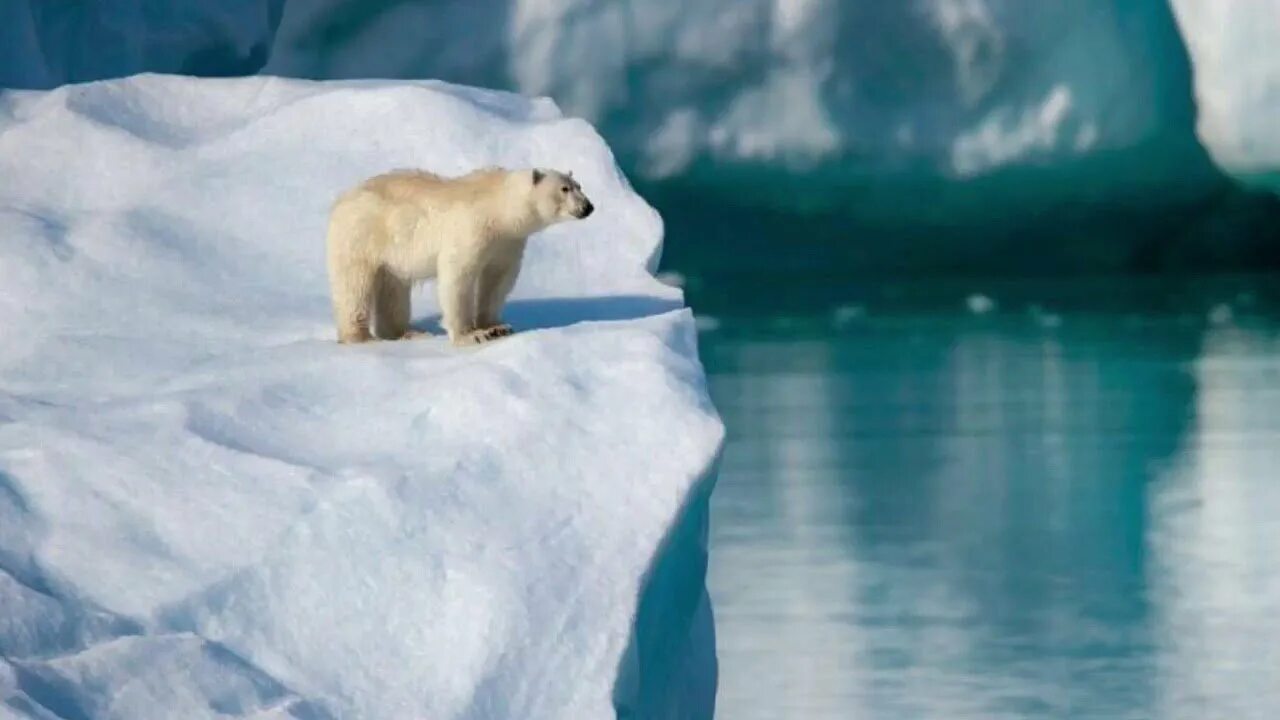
{"x": 208, "y": 508}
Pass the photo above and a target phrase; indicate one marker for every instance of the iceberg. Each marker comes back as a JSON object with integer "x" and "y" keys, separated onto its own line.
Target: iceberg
{"x": 956, "y": 86}
{"x": 1237, "y": 82}
{"x": 985, "y": 136}
{"x": 209, "y": 508}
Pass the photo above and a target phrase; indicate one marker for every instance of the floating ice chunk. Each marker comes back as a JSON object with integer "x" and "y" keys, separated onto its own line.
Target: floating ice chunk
{"x": 1044, "y": 318}
{"x": 672, "y": 278}
{"x": 846, "y": 314}
{"x": 1221, "y": 314}
{"x": 707, "y": 323}
{"x": 979, "y": 304}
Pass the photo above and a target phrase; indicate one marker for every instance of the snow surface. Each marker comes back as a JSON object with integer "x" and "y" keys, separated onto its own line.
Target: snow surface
{"x": 209, "y": 508}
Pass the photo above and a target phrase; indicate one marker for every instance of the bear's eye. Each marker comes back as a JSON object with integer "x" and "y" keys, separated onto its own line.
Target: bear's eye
{"x": 564, "y": 188}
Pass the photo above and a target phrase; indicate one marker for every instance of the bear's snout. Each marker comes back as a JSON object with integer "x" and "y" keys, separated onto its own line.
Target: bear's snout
{"x": 587, "y": 209}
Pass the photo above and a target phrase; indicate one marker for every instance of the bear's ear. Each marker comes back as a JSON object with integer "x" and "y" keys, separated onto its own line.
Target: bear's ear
{"x": 538, "y": 175}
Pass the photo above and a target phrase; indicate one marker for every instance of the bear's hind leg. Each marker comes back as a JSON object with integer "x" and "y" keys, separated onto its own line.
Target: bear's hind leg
{"x": 391, "y": 306}
{"x": 352, "y": 295}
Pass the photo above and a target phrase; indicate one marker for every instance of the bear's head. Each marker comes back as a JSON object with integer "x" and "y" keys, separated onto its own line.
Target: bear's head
{"x": 558, "y": 197}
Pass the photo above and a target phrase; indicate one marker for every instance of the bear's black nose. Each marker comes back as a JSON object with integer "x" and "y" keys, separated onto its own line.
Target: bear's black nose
{"x": 588, "y": 208}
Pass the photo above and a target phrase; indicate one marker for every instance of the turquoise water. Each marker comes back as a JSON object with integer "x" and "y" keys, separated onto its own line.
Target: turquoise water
{"x": 1066, "y": 507}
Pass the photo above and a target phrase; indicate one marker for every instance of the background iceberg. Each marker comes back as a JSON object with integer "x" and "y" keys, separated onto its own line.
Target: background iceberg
{"x": 963, "y": 86}
{"x": 209, "y": 508}
{"x": 1237, "y": 81}
{"x": 930, "y": 135}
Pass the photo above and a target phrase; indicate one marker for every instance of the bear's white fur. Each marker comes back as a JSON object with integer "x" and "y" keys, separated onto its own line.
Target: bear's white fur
{"x": 468, "y": 232}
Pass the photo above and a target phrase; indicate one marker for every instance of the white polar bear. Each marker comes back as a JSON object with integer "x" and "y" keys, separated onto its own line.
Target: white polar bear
{"x": 469, "y": 233}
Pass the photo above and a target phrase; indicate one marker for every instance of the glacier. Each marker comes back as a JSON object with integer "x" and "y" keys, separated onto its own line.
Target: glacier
{"x": 209, "y": 508}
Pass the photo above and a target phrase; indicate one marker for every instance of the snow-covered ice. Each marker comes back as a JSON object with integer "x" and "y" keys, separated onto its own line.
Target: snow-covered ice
{"x": 209, "y": 508}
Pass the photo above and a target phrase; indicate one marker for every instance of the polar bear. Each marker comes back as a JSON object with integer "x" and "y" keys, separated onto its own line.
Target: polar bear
{"x": 468, "y": 232}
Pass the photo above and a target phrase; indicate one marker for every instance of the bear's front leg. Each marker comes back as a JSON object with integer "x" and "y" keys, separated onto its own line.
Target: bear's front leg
{"x": 456, "y": 289}
{"x": 496, "y": 282}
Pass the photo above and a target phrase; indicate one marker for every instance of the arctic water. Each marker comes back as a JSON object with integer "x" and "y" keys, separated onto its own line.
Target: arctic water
{"x": 962, "y": 499}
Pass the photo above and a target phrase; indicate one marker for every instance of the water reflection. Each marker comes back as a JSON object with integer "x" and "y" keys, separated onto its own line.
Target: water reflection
{"x": 1215, "y": 540}
{"x": 933, "y": 516}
